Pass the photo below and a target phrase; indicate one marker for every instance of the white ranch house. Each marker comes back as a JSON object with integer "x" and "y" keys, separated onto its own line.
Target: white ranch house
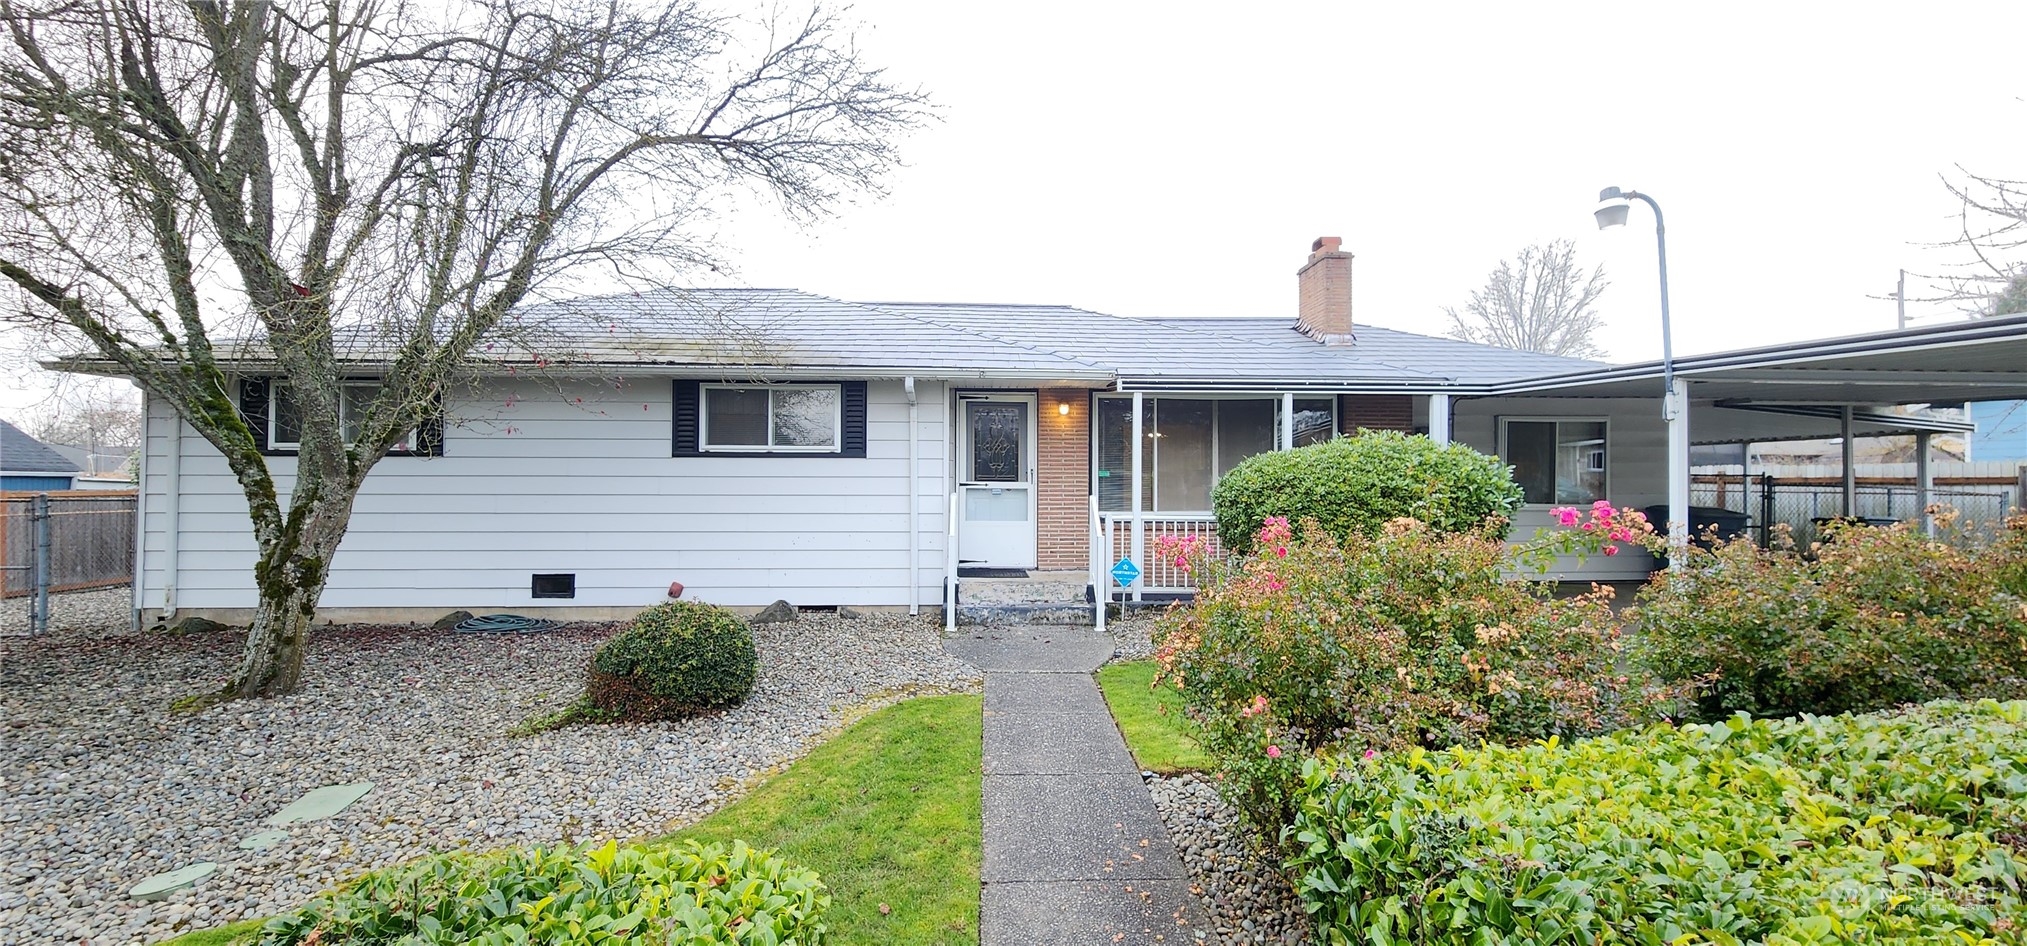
{"x": 757, "y": 445}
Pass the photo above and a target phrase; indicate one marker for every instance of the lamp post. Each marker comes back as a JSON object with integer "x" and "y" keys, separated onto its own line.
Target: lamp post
{"x": 1674, "y": 403}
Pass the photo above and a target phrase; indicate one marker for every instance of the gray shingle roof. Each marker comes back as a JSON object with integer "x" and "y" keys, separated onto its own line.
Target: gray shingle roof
{"x": 20, "y": 453}
{"x": 1448, "y": 358}
{"x": 740, "y": 329}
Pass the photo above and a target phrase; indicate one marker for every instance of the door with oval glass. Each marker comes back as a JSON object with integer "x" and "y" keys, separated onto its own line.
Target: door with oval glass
{"x": 996, "y": 477}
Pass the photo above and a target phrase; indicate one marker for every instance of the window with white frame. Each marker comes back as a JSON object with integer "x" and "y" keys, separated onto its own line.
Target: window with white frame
{"x": 1556, "y": 461}
{"x": 781, "y": 418}
{"x": 1189, "y": 442}
{"x": 285, "y": 415}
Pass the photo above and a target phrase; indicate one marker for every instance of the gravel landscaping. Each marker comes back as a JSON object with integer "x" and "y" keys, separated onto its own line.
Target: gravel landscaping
{"x": 1130, "y": 634}
{"x": 97, "y": 612}
{"x": 1247, "y": 898}
{"x": 100, "y": 786}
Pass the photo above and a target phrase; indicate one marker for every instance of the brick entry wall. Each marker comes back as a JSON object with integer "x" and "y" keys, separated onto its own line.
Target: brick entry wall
{"x": 1375, "y": 412}
{"x": 1063, "y": 495}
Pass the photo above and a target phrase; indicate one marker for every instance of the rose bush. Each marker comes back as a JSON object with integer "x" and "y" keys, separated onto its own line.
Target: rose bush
{"x": 1410, "y": 638}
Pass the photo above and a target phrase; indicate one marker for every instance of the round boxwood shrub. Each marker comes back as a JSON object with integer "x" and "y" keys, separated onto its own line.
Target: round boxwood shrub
{"x": 1355, "y": 484}
{"x": 677, "y": 659}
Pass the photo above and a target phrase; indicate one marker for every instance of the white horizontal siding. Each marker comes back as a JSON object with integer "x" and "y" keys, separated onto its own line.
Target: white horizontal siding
{"x": 577, "y": 477}
{"x": 1636, "y": 465}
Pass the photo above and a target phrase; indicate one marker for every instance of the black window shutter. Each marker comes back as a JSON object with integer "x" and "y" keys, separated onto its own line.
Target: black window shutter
{"x": 429, "y": 433}
{"x": 854, "y": 408}
{"x": 253, "y": 405}
{"x": 683, "y": 419}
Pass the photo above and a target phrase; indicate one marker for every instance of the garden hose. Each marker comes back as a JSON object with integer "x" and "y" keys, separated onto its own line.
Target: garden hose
{"x": 502, "y": 624}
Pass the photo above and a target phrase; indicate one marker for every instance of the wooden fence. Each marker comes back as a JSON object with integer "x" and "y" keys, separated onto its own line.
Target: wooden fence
{"x": 91, "y": 540}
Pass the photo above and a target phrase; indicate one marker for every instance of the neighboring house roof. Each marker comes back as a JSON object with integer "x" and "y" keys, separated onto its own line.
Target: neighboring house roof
{"x": 20, "y": 453}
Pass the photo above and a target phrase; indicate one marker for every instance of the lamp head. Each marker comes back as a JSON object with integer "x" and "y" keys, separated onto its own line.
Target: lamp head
{"x": 1613, "y": 215}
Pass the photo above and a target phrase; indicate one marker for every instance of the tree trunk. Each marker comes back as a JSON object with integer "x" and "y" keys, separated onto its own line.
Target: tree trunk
{"x": 271, "y": 663}
{"x": 290, "y": 576}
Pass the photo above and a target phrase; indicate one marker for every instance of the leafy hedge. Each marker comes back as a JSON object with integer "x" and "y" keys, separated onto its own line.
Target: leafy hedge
{"x": 1900, "y": 828}
{"x": 695, "y": 894}
{"x": 1871, "y": 618}
{"x": 1355, "y": 485}
{"x": 677, "y": 659}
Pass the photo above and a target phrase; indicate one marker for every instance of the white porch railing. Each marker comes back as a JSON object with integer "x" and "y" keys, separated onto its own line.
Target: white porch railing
{"x": 950, "y": 571}
{"x": 1099, "y": 598}
{"x": 1159, "y": 574}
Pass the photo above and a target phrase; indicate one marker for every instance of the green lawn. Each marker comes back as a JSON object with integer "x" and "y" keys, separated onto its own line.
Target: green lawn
{"x": 1150, "y": 718}
{"x": 887, "y": 812}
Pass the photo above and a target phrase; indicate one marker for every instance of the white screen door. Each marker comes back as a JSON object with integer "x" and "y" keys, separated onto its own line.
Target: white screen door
{"x": 996, "y": 477}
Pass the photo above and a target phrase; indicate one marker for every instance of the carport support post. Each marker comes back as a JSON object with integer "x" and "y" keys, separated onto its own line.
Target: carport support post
{"x": 1850, "y": 458}
{"x": 1139, "y": 543}
{"x": 1675, "y": 410}
{"x": 1439, "y": 418}
{"x": 1924, "y": 483}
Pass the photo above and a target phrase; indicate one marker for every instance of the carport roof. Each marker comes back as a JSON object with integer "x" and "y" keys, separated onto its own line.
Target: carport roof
{"x": 1978, "y": 360}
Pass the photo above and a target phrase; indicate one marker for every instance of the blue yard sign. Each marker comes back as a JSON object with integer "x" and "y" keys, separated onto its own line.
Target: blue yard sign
{"x": 1125, "y": 572}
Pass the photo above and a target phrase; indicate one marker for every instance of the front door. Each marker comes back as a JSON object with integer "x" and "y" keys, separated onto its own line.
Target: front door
{"x": 996, "y": 477}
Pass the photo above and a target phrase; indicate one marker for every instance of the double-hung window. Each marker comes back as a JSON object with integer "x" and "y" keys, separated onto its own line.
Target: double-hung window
{"x": 285, "y": 415}
{"x": 775, "y": 418}
{"x": 1557, "y": 461}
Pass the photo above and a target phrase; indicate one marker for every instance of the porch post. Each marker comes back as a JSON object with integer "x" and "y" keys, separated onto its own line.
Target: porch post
{"x": 1288, "y": 420}
{"x": 1139, "y": 544}
{"x": 1850, "y": 470}
{"x": 1676, "y": 411}
{"x": 1924, "y": 483}
{"x": 1439, "y": 418}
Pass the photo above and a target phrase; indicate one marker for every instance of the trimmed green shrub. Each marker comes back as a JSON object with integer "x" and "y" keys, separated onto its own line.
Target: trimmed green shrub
{"x": 1873, "y": 618}
{"x": 1904, "y": 828}
{"x": 677, "y": 659}
{"x": 1354, "y": 485}
{"x": 563, "y": 896}
{"x": 1411, "y": 638}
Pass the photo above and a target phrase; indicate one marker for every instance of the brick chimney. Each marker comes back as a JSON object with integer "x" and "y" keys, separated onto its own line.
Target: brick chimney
{"x": 1325, "y": 284}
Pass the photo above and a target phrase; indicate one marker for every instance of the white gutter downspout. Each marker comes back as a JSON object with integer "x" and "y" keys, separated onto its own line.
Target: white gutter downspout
{"x": 140, "y": 585}
{"x": 914, "y": 502}
{"x": 172, "y": 501}
{"x": 1288, "y": 420}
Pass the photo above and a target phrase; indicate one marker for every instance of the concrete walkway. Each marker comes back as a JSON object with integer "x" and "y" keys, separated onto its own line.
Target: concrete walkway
{"x": 1074, "y": 850}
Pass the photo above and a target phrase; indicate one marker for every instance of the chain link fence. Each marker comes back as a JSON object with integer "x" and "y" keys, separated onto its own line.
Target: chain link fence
{"x": 1804, "y": 504}
{"x": 67, "y": 541}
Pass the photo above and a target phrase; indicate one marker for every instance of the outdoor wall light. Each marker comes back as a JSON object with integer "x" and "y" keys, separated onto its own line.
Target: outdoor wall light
{"x": 1063, "y": 408}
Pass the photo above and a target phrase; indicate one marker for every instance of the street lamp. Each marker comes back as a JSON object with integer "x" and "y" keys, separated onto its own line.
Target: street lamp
{"x": 1674, "y": 405}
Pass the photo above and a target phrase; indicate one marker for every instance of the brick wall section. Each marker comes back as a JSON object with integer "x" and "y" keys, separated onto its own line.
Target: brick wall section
{"x": 1323, "y": 284}
{"x": 1375, "y": 412}
{"x": 1063, "y": 495}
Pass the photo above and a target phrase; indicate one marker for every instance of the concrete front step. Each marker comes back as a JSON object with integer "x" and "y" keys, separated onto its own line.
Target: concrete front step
{"x": 1051, "y": 614}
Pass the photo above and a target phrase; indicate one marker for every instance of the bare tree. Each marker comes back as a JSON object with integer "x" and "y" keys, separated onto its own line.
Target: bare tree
{"x": 321, "y": 186}
{"x": 1992, "y": 227}
{"x": 1539, "y": 302}
{"x": 101, "y": 418}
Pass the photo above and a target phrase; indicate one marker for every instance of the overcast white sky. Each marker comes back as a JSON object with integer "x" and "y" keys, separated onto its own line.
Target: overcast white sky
{"x": 1176, "y": 160}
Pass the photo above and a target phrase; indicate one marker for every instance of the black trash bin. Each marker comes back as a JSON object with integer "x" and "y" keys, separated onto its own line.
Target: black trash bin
{"x": 1730, "y": 525}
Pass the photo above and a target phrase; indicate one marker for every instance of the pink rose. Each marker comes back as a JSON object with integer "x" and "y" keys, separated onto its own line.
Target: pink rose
{"x": 1611, "y": 550}
{"x": 1567, "y": 515}
{"x": 1602, "y": 506}
{"x": 1370, "y": 753}
{"x": 1281, "y": 551}
{"x": 1273, "y": 752}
